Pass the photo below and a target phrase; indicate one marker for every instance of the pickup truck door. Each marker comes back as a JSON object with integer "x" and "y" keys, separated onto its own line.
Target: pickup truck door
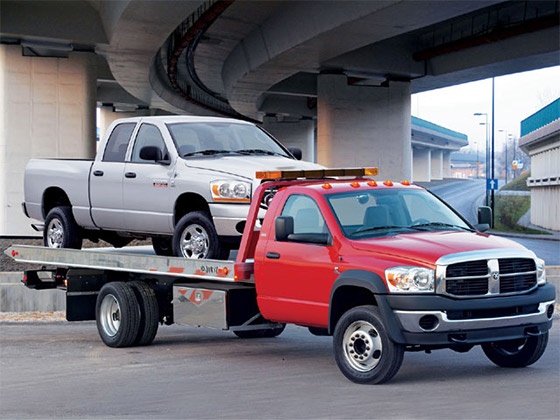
{"x": 147, "y": 185}
{"x": 299, "y": 275}
{"x": 106, "y": 177}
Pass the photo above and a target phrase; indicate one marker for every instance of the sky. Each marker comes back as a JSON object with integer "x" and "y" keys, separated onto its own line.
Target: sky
{"x": 516, "y": 97}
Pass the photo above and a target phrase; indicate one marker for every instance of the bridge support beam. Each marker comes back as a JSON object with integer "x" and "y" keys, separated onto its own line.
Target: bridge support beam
{"x": 436, "y": 170}
{"x": 297, "y": 133}
{"x": 364, "y": 126}
{"x": 47, "y": 109}
{"x": 422, "y": 165}
{"x": 447, "y": 164}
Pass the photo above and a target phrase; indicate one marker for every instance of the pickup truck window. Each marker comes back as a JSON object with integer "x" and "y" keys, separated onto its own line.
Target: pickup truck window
{"x": 148, "y": 135}
{"x": 204, "y": 139}
{"x": 115, "y": 151}
{"x": 388, "y": 212}
{"x": 306, "y": 214}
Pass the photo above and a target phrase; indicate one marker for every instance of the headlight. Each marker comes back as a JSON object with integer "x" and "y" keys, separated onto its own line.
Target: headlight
{"x": 541, "y": 272}
{"x": 232, "y": 191}
{"x": 410, "y": 279}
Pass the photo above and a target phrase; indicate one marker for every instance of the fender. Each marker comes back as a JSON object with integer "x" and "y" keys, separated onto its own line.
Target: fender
{"x": 367, "y": 281}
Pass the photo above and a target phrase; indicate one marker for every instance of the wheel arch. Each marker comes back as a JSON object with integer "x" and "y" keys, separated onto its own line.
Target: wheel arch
{"x": 357, "y": 288}
{"x": 54, "y": 197}
{"x": 187, "y": 203}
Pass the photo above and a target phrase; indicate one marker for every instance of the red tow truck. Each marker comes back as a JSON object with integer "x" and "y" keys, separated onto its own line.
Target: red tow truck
{"x": 383, "y": 267}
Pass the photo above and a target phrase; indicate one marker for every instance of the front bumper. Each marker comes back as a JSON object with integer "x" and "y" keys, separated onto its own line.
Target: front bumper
{"x": 229, "y": 219}
{"x": 470, "y": 321}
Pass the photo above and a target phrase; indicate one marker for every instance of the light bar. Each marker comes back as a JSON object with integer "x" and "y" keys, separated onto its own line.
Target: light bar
{"x": 316, "y": 173}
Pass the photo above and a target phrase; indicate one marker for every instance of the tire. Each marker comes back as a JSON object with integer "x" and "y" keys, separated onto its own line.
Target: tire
{"x": 163, "y": 246}
{"x": 516, "y": 353}
{"x": 363, "y": 350}
{"x": 117, "y": 315}
{"x": 149, "y": 313}
{"x": 61, "y": 230}
{"x": 264, "y": 333}
{"x": 195, "y": 237}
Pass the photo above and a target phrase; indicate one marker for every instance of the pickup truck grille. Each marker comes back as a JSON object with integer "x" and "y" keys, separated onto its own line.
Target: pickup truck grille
{"x": 488, "y": 277}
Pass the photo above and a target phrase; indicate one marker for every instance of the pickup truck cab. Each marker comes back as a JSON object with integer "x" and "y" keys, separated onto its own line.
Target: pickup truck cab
{"x": 184, "y": 181}
{"x": 383, "y": 267}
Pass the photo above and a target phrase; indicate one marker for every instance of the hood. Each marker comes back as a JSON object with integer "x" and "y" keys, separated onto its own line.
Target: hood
{"x": 428, "y": 247}
{"x": 246, "y": 166}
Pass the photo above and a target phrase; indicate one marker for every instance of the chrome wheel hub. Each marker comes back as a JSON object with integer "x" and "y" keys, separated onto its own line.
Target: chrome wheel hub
{"x": 363, "y": 347}
{"x": 194, "y": 242}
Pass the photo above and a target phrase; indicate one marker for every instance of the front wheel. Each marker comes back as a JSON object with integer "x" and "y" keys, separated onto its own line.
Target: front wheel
{"x": 195, "y": 237}
{"x": 363, "y": 350}
{"x": 61, "y": 230}
{"x": 516, "y": 353}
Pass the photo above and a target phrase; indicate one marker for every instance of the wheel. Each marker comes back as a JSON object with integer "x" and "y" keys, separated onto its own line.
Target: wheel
{"x": 162, "y": 246}
{"x": 516, "y": 353}
{"x": 261, "y": 333}
{"x": 149, "y": 313}
{"x": 363, "y": 350}
{"x": 195, "y": 237}
{"x": 61, "y": 230}
{"x": 117, "y": 314}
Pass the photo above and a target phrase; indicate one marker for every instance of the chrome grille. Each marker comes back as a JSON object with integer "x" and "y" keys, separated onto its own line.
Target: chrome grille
{"x": 487, "y": 277}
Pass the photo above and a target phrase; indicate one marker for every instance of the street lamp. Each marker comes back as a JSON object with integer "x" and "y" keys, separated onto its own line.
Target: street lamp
{"x": 485, "y": 123}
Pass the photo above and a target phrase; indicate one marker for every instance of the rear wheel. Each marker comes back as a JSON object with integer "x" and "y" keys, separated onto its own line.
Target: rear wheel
{"x": 61, "y": 230}
{"x": 149, "y": 313}
{"x": 195, "y": 237}
{"x": 362, "y": 348}
{"x": 516, "y": 353}
{"x": 117, "y": 314}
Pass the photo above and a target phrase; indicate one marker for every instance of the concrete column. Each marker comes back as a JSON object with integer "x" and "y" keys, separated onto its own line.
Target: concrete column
{"x": 447, "y": 172}
{"x": 300, "y": 133}
{"x": 364, "y": 126}
{"x": 47, "y": 109}
{"x": 422, "y": 165}
{"x": 436, "y": 164}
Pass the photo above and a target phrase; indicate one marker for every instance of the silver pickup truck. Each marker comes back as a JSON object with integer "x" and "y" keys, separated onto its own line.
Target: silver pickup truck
{"x": 184, "y": 181}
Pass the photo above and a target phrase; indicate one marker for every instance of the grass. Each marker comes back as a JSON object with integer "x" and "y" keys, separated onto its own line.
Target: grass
{"x": 518, "y": 184}
{"x": 509, "y": 210}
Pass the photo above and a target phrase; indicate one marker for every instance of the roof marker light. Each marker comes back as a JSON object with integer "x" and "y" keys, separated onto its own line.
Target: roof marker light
{"x": 327, "y": 186}
{"x": 372, "y": 183}
{"x": 405, "y": 182}
{"x": 388, "y": 183}
{"x": 355, "y": 184}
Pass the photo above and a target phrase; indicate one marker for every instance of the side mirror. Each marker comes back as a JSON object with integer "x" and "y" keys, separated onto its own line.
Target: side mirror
{"x": 484, "y": 218}
{"x": 283, "y": 227}
{"x": 152, "y": 153}
{"x": 296, "y": 152}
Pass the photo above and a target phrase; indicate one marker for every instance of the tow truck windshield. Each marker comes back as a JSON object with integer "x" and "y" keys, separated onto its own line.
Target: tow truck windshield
{"x": 374, "y": 213}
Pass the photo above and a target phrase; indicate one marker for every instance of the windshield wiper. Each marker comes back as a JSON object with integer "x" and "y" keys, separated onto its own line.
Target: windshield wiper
{"x": 208, "y": 152}
{"x": 426, "y": 226}
{"x": 377, "y": 228}
{"x": 258, "y": 152}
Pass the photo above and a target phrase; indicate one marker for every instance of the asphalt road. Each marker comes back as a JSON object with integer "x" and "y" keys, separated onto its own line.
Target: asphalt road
{"x": 57, "y": 370}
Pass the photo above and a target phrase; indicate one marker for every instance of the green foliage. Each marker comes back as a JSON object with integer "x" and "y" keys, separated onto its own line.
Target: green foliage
{"x": 518, "y": 184}
{"x": 508, "y": 210}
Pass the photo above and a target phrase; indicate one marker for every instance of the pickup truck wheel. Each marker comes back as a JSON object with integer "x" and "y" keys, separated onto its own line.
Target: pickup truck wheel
{"x": 195, "y": 237}
{"x": 61, "y": 230}
{"x": 117, "y": 314}
{"x": 363, "y": 350}
{"x": 516, "y": 353}
{"x": 149, "y": 313}
{"x": 162, "y": 246}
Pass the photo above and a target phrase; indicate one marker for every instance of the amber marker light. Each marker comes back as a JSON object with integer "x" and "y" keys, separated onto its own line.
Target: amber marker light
{"x": 327, "y": 186}
{"x": 405, "y": 182}
{"x": 372, "y": 183}
{"x": 355, "y": 184}
{"x": 388, "y": 183}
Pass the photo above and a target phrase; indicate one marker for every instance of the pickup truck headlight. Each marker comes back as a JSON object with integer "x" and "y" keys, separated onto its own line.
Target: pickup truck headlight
{"x": 541, "y": 272}
{"x": 410, "y": 280}
{"x": 231, "y": 191}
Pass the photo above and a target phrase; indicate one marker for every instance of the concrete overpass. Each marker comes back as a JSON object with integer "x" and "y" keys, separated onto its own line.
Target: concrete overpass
{"x": 332, "y": 77}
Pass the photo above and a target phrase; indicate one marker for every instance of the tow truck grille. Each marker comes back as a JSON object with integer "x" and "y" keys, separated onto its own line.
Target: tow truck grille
{"x": 489, "y": 277}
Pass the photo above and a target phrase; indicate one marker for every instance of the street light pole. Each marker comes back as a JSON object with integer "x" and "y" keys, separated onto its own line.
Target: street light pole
{"x": 485, "y": 123}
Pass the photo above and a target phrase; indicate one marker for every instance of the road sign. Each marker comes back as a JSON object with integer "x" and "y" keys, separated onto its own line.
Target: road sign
{"x": 491, "y": 184}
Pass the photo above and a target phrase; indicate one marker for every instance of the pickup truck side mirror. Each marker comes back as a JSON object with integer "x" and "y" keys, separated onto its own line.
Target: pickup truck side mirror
{"x": 484, "y": 218}
{"x": 296, "y": 152}
{"x": 152, "y": 153}
{"x": 283, "y": 227}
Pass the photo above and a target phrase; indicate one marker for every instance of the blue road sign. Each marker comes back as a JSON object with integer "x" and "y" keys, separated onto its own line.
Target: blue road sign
{"x": 491, "y": 184}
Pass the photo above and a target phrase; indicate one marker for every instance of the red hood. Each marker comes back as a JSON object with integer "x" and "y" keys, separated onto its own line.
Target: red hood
{"x": 427, "y": 247}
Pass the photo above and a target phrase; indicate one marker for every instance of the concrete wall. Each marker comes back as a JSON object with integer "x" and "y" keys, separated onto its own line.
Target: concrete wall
{"x": 421, "y": 165}
{"x": 299, "y": 134}
{"x": 47, "y": 109}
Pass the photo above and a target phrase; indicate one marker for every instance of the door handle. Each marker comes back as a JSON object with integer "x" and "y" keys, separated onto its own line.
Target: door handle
{"x": 130, "y": 175}
{"x": 98, "y": 173}
{"x": 273, "y": 255}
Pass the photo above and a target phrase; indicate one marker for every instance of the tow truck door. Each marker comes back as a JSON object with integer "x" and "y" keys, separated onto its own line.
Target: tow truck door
{"x": 298, "y": 275}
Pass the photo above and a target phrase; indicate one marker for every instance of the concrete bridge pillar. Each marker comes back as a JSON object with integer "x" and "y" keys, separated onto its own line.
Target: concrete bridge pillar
{"x": 436, "y": 164}
{"x": 47, "y": 109}
{"x": 364, "y": 126}
{"x": 447, "y": 165}
{"x": 422, "y": 164}
{"x": 299, "y": 133}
